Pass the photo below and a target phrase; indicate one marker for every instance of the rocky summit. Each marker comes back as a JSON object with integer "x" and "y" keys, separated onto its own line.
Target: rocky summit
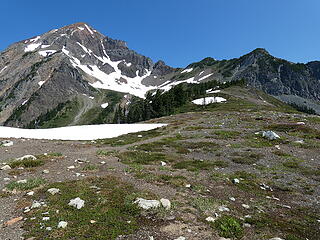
{"x": 75, "y": 71}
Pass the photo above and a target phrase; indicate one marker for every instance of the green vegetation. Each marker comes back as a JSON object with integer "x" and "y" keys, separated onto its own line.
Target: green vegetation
{"x": 196, "y": 165}
{"x": 23, "y": 186}
{"x": 145, "y": 158}
{"x": 26, "y": 163}
{"x": 90, "y": 167}
{"x": 246, "y": 157}
{"x": 166, "y": 103}
{"x": 105, "y": 215}
{"x": 204, "y": 204}
{"x": 130, "y": 138}
{"x": 224, "y": 134}
{"x": 229, "y": 227}
{"x": 303, "y": 108}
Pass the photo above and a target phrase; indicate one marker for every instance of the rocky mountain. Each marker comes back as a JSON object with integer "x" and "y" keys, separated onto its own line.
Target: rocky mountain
{"x": 76, "y": 75}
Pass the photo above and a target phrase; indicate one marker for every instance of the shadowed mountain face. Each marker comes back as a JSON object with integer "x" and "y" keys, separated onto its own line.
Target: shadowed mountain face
{"x": 68, "y": 73}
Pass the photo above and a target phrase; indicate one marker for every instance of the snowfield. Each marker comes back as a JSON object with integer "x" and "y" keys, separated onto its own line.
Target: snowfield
{"x": 208, "y": 100}
{"x": 85, "y": 132}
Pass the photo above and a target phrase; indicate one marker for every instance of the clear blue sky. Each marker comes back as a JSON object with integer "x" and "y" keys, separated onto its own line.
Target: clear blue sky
{"x": 178, "y": 31}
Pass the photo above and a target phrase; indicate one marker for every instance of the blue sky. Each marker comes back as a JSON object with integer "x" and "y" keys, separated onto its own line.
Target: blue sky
{"x": 178, "y": 31}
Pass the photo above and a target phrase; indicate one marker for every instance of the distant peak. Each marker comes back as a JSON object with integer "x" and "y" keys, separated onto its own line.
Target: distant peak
{"x": 261, "y": 51}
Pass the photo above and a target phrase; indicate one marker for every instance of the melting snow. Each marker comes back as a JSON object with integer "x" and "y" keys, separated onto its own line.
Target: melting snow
{"x": 34, "y": 39}
{"x": 41, "y": 83}
{"x": 47, "y": 53}
{"x": 45, "y": 46}
{"x": 85, "y": 132}
{"x": 212, "y": 91}
{"x": 205, "y": 77}
{"x": 187, "y": 70}
{"x": 88, "y": 29}
{"x": 81, "y": 28}
{"x": 3, "y": 69}
{"x": 24, "y": 102}
{"x": 128, "y": 64}
{"x": 104, "y": 105}
{"x": 31, "y": 47}
{"x": 208, "y": 100}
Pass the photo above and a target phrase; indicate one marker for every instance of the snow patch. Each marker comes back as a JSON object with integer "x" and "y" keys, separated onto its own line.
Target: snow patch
{"x": 41, "y": 83}
{"x": 34, "y": 39}
{"x": 128, "y": 64}
{"x": 88, "y": 29}
{"x": 47, "y": 53}
{"x": 85, "y": 49}
{"x": 45, "y": 46}
{"x": 208, "y": 100}
{"x": 31, "y": 47}
{"x": 205, "y": 77}
{"x": 212, "y": 91}
{"x": 187, "y": 70}
{"x": 81, "y": 28}
{"x": 3, "y": 69}
{"x": 85, "y": 132}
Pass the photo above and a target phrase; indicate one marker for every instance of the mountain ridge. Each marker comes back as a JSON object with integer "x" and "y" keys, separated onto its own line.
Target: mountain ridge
{"x": 61, "y": 66}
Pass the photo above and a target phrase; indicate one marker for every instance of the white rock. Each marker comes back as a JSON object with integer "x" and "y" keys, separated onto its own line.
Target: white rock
{"x": 232, "y": 199}
{"x": 5, "y": 167}
{"x": 299, "y": 141}
{"x": 46, "y": 171}
{"x": 77, "y": 203}
{"x": 48, "y": 228}
{"x": 35, "y": 205}
{"x": 71, "y": 167}
{"x": 223, "y": 209}
{"x": 6, "y": 143}
{"x": 210, "y": 219}
{"x": 147, "y": 204}
{"x": 139, "y": 136}
{"x": 165, "y": 203}
{"x": 45, "y": 218}
{"x": 30, "y": 193}
{"x": 245, "y": 206}
{"x": 236, "y": 181}
{"x": 270, "y": 135}
{"x": 22, "y": 181}
{"x": 188, "y": 185}
{"x": 276, "y": 238}
{"x": 26, "y": 157}
{"x": 103, "y": 162}
{"x": 301, "y": 123}
{"x": 62, "y": 224}
{"x": 53, "y": 191}
{"x": 180, "y": 238}
{"x": 6, "y": 179}
{"x": 163, "y": 163}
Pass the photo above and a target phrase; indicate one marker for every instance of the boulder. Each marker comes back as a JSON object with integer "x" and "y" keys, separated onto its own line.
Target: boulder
{"x": 147, "y": 204}
{"x": 53, "y": 191}
{"x": 270, "y": 135}
{"x": 165, "y": 203}
{"x": 62, "y": 224}
{"x": 77, "y": 203}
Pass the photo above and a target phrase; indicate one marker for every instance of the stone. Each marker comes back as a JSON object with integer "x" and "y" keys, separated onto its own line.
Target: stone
{"x": 35, "y": 205}
{"x": 53, "y": 191}
{"x": 26, "y": 157}
{"x": 165, "y": 203}
{"x": 232, "y": 199}
{"x": 46, "y": 171}
{"x": 13, "y": 221}
{"x": 163, "y": 163}
{"x": 271, "y": 135}
{"x": 71, "y": 167}
{"x": 77, "y": 203}
{"x": 48, "y": 228}
{"x": 245, "y": 206}
{"x": 276, "y": 238}
{"x": 45, "y": 218}
{"x": 235, "y": 181}
{"x": 210, "y": 219}
{"x": 147, "y": 204}
{"x": 188, "y": 185}
{"x": 5, "y": 167}
{"x": 180, "y": 238}
{"x": 30, "y": 193}
{"x": 62, "y": 224}
{"x": 22, "y": 181}
{"x": 223, "y": 209}
{"x": 6, "y": 143}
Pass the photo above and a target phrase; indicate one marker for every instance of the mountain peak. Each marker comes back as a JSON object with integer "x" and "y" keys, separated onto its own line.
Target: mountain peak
{"x": 261, "y": 51}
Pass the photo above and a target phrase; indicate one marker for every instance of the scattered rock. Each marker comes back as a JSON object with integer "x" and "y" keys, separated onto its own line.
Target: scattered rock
{"x": 271, "y": 135}
{"x": 5, "y": 167}
{"x": 48, "y": 228}
{"x": 46, "y": 171}
{"x": 26, "y": 157}
{"x": 35, "y": 204}
{"x": 6, "y": 143}
{"x": 210, "y": 219}
{"x": 62, "y": 224}
{"x": 235, "y": 181}
{"x": 53, "y": 191}
{"x": 71, "y": 167}
{"x": 6, "y": 179}
{"x": 245, "y": 206}
{"x": 22, "y": 181}
{"x": 299, "y": 141}
{"x": 30, "y": 193}
{"x": 147, "y": 204}
{"x": 163, "y": 163}
{"x": 13, "y": 221}
{"x": 232, "y": 199}
{"x": 77, "y": 203}
{"x": 45, "y": 218}
{"x": 276, "y": 238}
{"x": 188, "y": 185}
{"x": 223, "y": 209}
{"x": 165, "y": 203}
{"x": 180, "y": 238}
